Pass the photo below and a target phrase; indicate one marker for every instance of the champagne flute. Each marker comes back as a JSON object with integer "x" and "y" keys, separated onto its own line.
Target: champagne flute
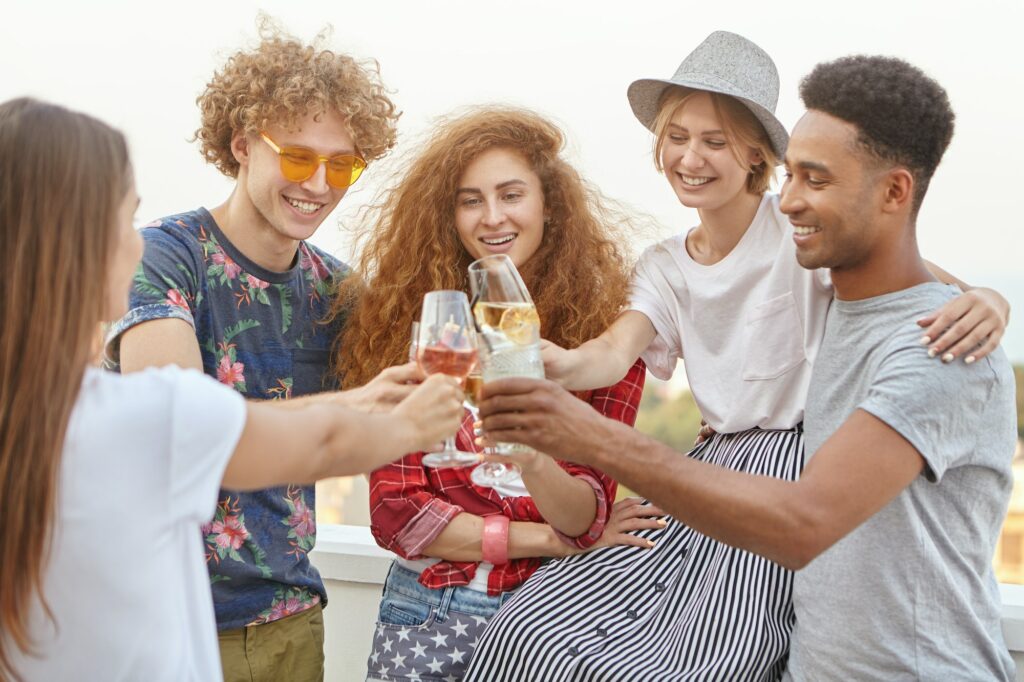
{"x": 509, "y": 330}
{"x": 446, "y": 344}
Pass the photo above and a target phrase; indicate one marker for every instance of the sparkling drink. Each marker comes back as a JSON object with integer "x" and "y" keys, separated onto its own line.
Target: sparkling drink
{"x": 516, "y": 322}
{"x": 511, "y": 360}
{"x": 456, "y": 362}
{"x": 474, "y": 382}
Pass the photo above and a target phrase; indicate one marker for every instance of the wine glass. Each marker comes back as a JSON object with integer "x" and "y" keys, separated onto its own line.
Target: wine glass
{"x": 446, "y": 344}
{"x": 509, "y": 342}
{"x": 414, "y": 340}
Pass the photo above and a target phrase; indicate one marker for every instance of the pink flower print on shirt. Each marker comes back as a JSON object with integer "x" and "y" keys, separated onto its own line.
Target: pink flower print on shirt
{"x": 255, "y": 282}
{"x": 316, "y": 272}
{"x": 255, "y": 288}
{"x": 230, "y": 533}
{"x": 227, "y": 534}
{"x": 231, "y": 373}
{"x": 301, "y": 522}
{"x": 176, "y": 299}
{"x": 288, "y": 603}
{"x": 230, "y": 268}
{"x": 316, "y": 268}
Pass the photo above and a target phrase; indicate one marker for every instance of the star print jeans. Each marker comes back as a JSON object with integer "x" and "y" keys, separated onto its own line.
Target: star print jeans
{"x": 426, "y": 635}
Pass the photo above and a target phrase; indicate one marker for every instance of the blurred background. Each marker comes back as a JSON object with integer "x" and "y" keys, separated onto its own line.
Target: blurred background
{"x": 140, "y": 66}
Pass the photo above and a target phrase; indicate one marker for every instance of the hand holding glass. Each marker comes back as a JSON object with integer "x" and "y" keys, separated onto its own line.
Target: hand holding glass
{"x": 509, "y": 341}
{"x": 447, "y": 345}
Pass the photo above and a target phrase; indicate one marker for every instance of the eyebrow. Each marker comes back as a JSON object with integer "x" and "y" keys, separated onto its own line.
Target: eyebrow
{"x": 340, "y": 152}
{"x": 810, "y": 165}
{"x": 706, "y": 132}
{"x": 500, "y": 185}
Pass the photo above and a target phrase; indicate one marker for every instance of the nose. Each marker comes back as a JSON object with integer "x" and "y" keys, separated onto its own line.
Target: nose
{"x": 692, "y": 158}
{"x": 494, "y": 214}
{"x": 790, "y": 201}
{"x": 317, "y": 183}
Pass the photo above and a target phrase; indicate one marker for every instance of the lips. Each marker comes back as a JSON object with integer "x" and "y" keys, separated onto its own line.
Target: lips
{"x": 500, "y": 242}
{"x": 694, "y": 181}
{"x": 304, "y": 207}
{"x": 805, "y": 230}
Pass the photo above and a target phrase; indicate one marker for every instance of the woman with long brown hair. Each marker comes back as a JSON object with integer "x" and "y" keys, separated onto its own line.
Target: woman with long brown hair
{"x": 489, "y": 181}
{"x": 104, "y": 479}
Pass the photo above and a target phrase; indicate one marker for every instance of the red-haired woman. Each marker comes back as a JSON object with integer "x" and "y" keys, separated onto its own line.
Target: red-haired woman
{"x": 490, "y": 181}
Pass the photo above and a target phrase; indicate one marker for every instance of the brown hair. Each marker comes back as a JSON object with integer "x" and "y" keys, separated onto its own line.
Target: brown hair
{"x": 52, "y": 298}
{"x": 578, "y": 277}
{"x": 741, "y": 128}
{"x": 281, "y": 82}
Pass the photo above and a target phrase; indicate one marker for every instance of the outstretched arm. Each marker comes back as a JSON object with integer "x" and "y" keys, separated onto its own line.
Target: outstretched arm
{"x": 863, "y": 466}
{"x": 603, "y": 361}
{"x": 299, "y": 444}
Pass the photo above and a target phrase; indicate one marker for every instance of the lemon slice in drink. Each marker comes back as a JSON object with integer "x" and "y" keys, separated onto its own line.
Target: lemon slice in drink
{"x": 521, "y": 324}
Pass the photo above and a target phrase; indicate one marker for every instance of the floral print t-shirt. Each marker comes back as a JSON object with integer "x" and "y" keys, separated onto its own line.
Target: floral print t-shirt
{"x": 259, "y": 332}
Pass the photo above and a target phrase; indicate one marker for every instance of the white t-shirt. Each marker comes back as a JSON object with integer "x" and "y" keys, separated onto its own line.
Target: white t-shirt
{"x": 750, "y": 324}
{"x": 126, "y": 581}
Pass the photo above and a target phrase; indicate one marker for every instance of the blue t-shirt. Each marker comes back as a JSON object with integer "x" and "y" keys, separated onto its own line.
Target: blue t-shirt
{"x": 260, "y": 332}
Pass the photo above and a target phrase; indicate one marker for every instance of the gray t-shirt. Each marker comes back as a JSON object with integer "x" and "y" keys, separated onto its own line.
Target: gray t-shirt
{"x": 910, "y": 594}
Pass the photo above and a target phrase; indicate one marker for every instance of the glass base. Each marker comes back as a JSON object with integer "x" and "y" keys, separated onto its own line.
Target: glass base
{"x": 450, "y": 459}
{"x": 491, "y": 474}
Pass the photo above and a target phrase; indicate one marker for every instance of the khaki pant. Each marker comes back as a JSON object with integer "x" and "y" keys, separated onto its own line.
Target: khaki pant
{"x": 289, "y": 649}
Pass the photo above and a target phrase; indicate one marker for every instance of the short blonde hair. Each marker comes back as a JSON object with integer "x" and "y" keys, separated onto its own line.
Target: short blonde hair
{"x": 281, "y": 82}
{"x": 741, "y": 128}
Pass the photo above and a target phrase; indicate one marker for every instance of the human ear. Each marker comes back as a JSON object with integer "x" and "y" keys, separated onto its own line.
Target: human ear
{"x": 899, "y": 190}
{"x": 240, "y": 147}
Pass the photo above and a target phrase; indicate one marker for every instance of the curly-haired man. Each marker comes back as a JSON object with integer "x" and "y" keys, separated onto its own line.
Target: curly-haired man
{"x": 238, "y": 293}
{"x": 894, "y": 520}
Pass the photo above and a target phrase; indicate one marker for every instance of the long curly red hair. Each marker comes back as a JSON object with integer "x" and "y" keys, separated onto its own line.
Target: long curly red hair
{"x": 578, "y": 277}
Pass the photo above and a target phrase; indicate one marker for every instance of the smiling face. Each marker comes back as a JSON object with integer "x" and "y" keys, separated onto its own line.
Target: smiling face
{"x": 292, "y": 210}
{"x": 832, "y": 194}
{"x": 499, "y": 206}
{"x": 698, "y": 158}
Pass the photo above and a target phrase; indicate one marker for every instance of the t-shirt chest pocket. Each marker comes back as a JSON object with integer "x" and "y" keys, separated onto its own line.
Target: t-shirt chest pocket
{"x": 775, "y": 339}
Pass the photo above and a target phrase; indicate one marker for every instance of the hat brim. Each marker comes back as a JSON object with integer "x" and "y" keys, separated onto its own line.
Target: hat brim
{"x": 644, "y": 95}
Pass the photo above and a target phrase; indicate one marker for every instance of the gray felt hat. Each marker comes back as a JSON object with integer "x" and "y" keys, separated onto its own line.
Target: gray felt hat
{"x": 728, "y": 64}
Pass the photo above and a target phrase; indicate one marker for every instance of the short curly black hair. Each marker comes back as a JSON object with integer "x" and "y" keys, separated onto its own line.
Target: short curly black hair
{"x": 903, "y": 116}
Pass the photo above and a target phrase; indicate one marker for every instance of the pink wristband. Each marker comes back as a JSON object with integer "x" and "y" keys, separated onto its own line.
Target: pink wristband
{"x": 495, "y": 539}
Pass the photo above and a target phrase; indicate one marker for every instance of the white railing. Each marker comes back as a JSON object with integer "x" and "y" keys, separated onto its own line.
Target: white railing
{"x": 354, "y": 567}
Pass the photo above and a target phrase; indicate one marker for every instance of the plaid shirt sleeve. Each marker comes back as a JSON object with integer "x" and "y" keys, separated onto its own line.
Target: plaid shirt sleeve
{"x": 619, "y": 402}
{"x": 408, "y": 504}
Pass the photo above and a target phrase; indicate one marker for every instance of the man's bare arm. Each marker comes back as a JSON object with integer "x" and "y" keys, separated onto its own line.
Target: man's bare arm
{"x": 859, "y": 470}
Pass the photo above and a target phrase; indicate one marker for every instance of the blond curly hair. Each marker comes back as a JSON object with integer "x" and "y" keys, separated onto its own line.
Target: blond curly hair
{"x": 282, "y": 81}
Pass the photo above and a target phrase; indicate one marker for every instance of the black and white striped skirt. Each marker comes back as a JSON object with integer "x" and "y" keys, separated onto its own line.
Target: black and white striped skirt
{"x": 690, "y": 608}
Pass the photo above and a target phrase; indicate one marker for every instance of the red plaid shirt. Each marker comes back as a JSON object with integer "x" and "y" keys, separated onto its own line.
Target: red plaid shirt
{"x": 411, "y": 504}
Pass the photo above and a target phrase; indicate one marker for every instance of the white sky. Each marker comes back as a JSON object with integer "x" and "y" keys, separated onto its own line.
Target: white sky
{"x": 140, "y": 65}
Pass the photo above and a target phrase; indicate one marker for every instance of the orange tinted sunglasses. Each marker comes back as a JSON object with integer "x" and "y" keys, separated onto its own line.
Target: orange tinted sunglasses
{"x": 298, "y": 164}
